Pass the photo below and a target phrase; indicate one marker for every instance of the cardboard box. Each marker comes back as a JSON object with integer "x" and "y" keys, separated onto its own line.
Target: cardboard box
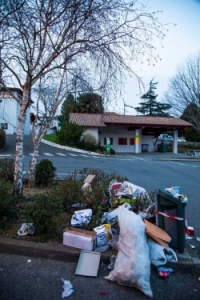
{"x": 158, "y": 234}
{"x": 116, "y": 187}
{"x": 87, "y": 183}
{"x": 79, "y": 238}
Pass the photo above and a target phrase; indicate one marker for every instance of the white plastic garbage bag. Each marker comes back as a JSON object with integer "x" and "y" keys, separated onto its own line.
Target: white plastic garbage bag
{"x": 170, "y": 255}
{"x": 132, "y": 265}
{"x": 81, "y": 217}
{"x": 159, "y": 255}
{"x": 156, "y": 253}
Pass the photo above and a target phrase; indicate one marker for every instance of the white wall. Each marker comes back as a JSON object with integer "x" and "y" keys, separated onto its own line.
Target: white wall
{"x": 8, "y": 114}
{"x": 150, "y": 140}
{"x": 9, "y": 111}
{"x": 116, "y": 132}
{"x": 119, "y": 131}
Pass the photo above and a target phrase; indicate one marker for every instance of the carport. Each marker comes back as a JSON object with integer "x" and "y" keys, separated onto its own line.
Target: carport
{"x": 137, "y": 130}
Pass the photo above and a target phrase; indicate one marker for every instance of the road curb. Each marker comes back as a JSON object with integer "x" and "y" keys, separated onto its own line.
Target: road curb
{"x": 69, "y": 148}
{"x": 178, "y": 159}
{"x": 187, "y": 261}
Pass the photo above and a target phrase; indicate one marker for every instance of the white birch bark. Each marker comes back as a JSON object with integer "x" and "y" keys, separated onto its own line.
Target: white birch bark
{"x": 36, "y": 144}
{"x": 19, "y": 153}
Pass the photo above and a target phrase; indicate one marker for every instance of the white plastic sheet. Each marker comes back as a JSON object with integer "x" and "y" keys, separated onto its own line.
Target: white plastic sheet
{"x": 132, "y": 265}
{"x": 68, "y": 288}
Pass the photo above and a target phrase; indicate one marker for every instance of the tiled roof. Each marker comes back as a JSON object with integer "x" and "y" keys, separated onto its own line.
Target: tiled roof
{"x": 101, "y": 120}
{"x": 145, "y": 120}
{"x": 87, "y": 120}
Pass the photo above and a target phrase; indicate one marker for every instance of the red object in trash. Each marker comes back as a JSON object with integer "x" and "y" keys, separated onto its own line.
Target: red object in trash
{"x": 116, "y": 187}
{"x": 190, "y": 230}
{"x": 102, "y": 294}
{"x": 163, "y": 274}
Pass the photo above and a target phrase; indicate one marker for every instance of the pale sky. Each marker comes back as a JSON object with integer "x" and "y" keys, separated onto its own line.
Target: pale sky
{"x": 181, "y": 42}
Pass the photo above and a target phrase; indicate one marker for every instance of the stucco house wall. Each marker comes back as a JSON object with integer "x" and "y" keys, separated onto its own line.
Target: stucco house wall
{"x": 116, "y": 132}
{"x": 9, "y": 112}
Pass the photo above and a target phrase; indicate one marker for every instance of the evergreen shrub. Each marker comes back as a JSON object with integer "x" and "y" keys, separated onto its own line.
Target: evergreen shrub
{"x": 42, "y": 211}
{"x": 45, "y": 172}
{"x": 7, "y": 166}
{"x": 8, "y": 211}
{"x": 70, "y": 134}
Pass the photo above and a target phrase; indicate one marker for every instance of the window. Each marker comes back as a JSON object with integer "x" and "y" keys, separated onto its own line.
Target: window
{"x": 132, "y": 141}
{"x": 122, "y": 141}
{"x": 4, "y": 125}
{"x": 111, "y": 141}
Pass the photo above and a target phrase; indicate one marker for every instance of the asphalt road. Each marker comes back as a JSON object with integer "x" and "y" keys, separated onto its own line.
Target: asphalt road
{"x": 23, "y": 278}
{"x": 147, "y": 170}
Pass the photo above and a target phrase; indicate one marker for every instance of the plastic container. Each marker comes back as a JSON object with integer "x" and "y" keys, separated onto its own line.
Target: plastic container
{"x": 163, "y": 146}
{"x": 174, "y": 222}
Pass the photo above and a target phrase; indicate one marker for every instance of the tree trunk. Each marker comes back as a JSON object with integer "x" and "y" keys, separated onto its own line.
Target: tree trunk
{"x": 32, "y": 169}
{"x": 18, "y": 172}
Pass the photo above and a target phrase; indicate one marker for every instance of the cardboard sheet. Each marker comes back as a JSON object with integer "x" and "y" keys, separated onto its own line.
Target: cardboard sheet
{"x": 88, "y": 263}
{"x": 87, "y": 183}
{"x": 89, "y": 178}
{"x": 158, "y": 234}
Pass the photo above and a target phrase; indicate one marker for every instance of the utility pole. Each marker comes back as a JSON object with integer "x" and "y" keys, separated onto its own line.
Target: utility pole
{"x": 127, "y": 106}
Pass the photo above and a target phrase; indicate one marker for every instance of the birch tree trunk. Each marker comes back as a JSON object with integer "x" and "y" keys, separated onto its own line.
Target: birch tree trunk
{"x": 19, "y": 153}
{"x": 32, "y": 169}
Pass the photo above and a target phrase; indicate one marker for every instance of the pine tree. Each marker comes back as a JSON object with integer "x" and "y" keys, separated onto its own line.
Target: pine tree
{"x": 151, "y": 107}
{"x": 67, "y": 107}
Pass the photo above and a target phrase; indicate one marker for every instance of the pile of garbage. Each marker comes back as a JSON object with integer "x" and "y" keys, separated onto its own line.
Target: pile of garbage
{"x": 128, "y": 227}
{"x": 135, "y": 237}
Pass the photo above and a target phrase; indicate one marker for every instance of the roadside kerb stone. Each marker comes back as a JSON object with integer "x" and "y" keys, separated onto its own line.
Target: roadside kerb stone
{"x": 69, "y": 148}
{"x": 188, "y": 260}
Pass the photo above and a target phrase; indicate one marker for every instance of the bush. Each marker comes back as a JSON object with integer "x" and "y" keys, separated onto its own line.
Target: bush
{"x": 7, "y": 166}
{"x": 87, "y": 146}
{"x": 45, "y": 172}
{"x": 69, "y": 191}
{"x": 2, "y": 138}
{"x": 88, "y": 137}
{"x": 8, "y": 210}
{"x": 42, "y": 211}
{"x": 192, "y": 134}
{"x": 70, "y": 134}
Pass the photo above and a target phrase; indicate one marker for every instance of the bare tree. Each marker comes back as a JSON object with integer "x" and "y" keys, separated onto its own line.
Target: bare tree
{"x": 101, "y": 38}
{"x": 184, "y": 91}
{"x": 50, "y": 92}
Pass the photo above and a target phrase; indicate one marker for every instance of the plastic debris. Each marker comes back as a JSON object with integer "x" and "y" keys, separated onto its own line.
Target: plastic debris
{"x": 164, "y": 272}
{"x": 27, "y": 228}
{"x": 112, "y": 262}
{"x": 68, "y": 288}
{"x": 198, "y": 239}
{"x": 29, "y": 261}
{"x": 165, "y": 269}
